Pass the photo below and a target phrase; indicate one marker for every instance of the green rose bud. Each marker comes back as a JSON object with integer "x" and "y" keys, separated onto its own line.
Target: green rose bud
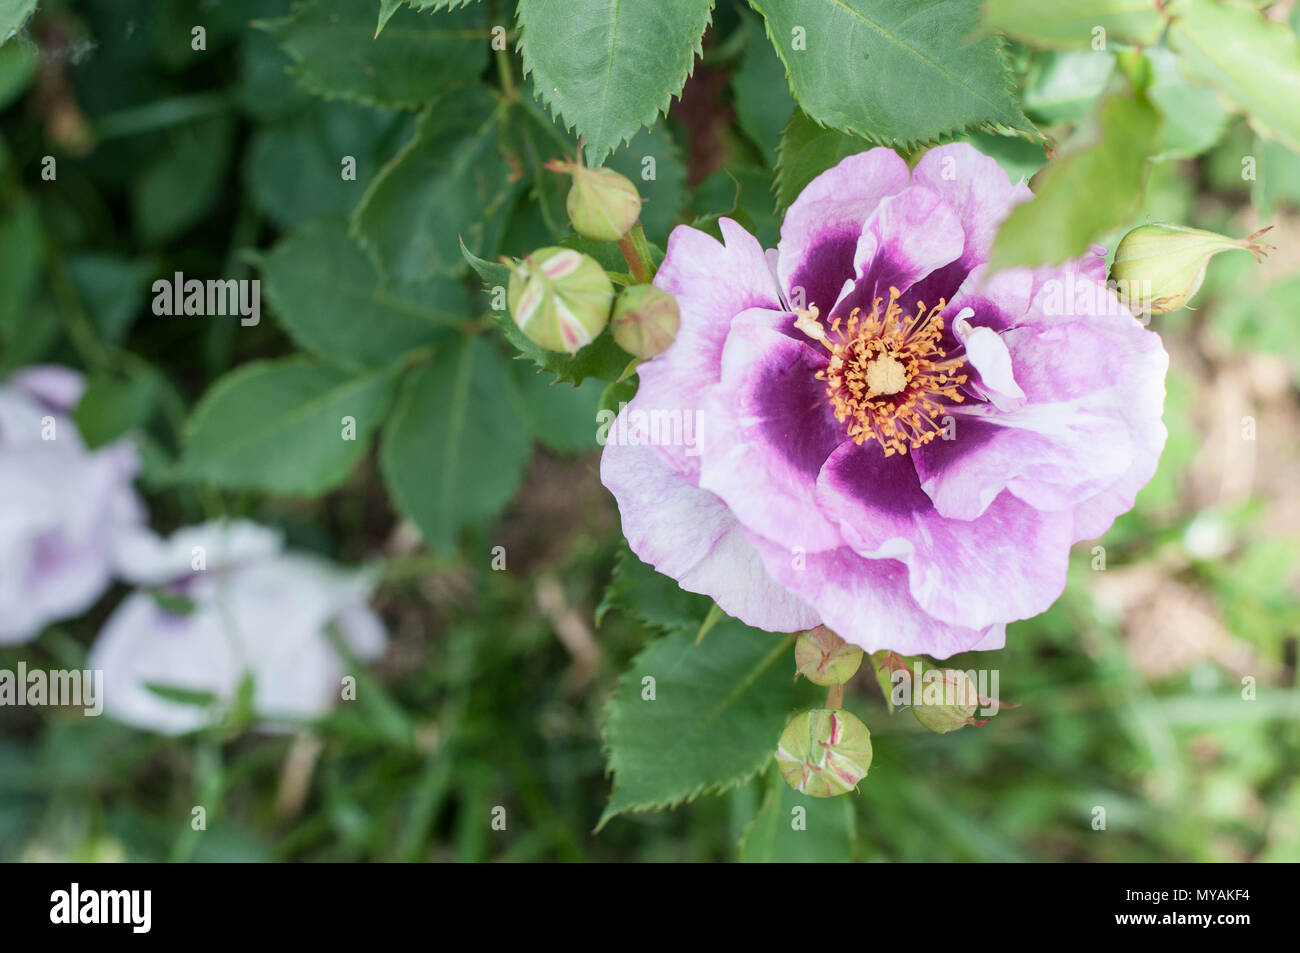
{"x": 946, "y": 700}
{"x": 602, "y": 204}
{"x": 823, "y": 753}
{"x": 645, "y": 320}
{"x": 560, "y": 298}
{"x": 824, "y": 658}
{"x": 1159, "y": 267}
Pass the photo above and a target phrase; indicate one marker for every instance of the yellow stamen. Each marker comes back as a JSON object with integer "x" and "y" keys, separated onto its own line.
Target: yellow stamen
{"x": 887, "y": 378}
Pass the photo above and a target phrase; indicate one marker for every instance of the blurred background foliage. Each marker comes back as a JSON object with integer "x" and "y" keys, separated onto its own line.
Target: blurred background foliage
{"x": 1129, "y": 689}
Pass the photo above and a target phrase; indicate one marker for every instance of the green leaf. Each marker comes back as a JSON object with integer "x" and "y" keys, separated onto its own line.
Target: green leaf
{"x": 794, "y": 828}
{"x": 1071, "y": 23}
{"x": 454, "y": 453}
{"x": 763, "y": 102}
{"x": 13, "y": 14}
{"x": 717, "y": 712}
{"x": 1082, "y": 196}
{"x": 1019, "y": 158}
{"x": 1254, "y": 63}
{"x": 900, "y": 74}
{"x": 113, "y": 406}
{"x": 654, "y": 164}
{"x": 184, "y": 181}
{"x": 1277, "y": 177}
{"x": 388, "y": 7}
{"x": 294, "y": 168}
{"x": 1065, "y": 86}
{"x": 531, "y": 140}
{"x": 21, "y": 257}
{"x": 1195, "y": 119}
{"x": 609, "y": 67}
{"x": 18, "y": 63}
{"x": 328, "y": 295}
{"x": 602, "y": 358}
{"x": 279, "y": 426}
{"x": 742, "y": 193}
{"x": 560, "y": 416}
{"x": 416, "y": 59}
{"x": 449, "y": 179}
{"x": 651, "y": 597}
{"x": 114, "y": 290}
{"x": 806, "y": 151}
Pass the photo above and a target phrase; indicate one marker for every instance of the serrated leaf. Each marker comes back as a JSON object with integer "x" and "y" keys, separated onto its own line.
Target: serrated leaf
{"x": 388, "y": 7}
{"x": 13, "y": 14}
{"x": 448, "y": 180}
{"x": 329, "y": 297}
{"x": 609, "y": 67}
{"x": 1071, "y": 23}
{"x": 454, "y": 453}
{"x": 718, "y": 709}
{"x": 415, "y": 60}
{"x": 294, "y": 168}
{"x": 278, "y": 426}
{"x": 1252, "y": 62}
{"x": 806, "y": 151}
{"x": 1084, "y": 195}
{"x": 900, "y": 74}
{"x": 651, "y": 597}
{"x": 794, "y": 828}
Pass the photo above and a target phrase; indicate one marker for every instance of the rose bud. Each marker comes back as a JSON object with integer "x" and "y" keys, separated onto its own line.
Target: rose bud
{"x": 957, "y": 709}
{"x": 602, "y": 204}
{"x": 646, "y": 320}
{"x": 824, "y": 658}
{"x": 1159, "y": 267}
{"x": 823, "y": 753}
{"x": 560, "y": 298}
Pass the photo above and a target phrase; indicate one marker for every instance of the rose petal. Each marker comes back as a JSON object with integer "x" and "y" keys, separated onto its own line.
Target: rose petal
{"x": 957, "y": 569}
{"x": 689, "y": 534}
{"x": 823, "y": 225}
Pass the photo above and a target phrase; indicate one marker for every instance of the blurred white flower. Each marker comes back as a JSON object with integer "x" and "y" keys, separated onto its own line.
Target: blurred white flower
{"x": 61, "y": 505}
{"x": 230, "y": 604}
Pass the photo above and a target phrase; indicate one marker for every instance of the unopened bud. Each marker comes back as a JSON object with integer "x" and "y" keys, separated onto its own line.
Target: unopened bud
{"x": 954, "y": 698}
{"x": 824, "y": 752}
{"x": 602, "y": 204}
{"x": 646, "y": 320}
{"x": 824, "y": 658}
{"x": 560, "y": 298}
{"x": 1159, "y": 267}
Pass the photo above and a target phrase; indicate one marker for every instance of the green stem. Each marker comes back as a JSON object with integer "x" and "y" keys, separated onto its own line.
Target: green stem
{"x": 636, "y": 251}
{"x": 503, "y": 65}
